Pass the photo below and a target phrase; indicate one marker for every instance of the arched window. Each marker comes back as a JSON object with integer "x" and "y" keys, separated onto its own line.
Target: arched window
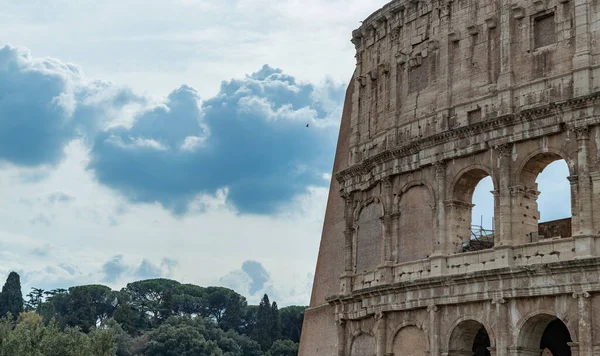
{"x": 469, "y": 337}
{"x": 547, "y": 333}
{"x": 554, "y": 201}
{"x": 482, "y": 217}
{"x": 471, "y": 215}
{"x": 543, "y": 199}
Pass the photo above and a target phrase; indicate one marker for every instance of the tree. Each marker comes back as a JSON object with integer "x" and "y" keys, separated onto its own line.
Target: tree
{"x": 11, "y": 298}
{"x": 284, "y": 348}
{"x": 275, "y": 322}
{"x": 147, "y": 297}
{"x": 225, "y": 306}
{"x": 31, "y": 337}
{"x": 292, "y": 318}
{"x": 180, "y": 337}
{"x": 266, "y": 329}
{"x": 35, "y": 300}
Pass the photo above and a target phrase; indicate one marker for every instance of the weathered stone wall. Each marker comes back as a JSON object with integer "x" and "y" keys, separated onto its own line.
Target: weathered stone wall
{"x": 446, "y": 93}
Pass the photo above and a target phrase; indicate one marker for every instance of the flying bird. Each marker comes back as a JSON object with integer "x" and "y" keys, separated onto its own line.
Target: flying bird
{"x": 307, "y": 125}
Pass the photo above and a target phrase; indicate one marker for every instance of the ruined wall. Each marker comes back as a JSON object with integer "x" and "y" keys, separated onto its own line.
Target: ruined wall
{"x": 445, "y": 94}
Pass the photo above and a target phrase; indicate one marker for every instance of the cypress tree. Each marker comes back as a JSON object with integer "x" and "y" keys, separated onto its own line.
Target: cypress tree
{"x": 11, "y": 298}
{"x": 263, "y": 328}
{"x": 275, "y": 322}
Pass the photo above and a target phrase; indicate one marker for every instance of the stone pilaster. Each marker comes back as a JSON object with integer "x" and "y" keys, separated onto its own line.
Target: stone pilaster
{"x": 582, "y": 60}
{"x": 381, "y": 334}
{"x": 585, "y": 327}
{"x": 434, "y": 334}
{"x": 584, "y": 181}
{"x": 341, "y": 334}
{"x": 506, "y": 78}
{"x": 503, "y": 217}
{"x": 503, "y": 330}
{"x": 574, "y": 181}
{"x": 387, "y": 220}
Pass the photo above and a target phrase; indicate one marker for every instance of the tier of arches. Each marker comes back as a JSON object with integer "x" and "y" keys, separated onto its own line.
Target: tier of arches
{"x": 429, "y": 211}
{"x": 538, "y": 334}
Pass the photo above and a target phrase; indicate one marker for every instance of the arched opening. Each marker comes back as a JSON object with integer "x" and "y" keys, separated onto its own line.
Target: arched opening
{"x": 469, "y": 338}
{"x": 369, "y": 235}
{"x": 545, "y": 334}
{"x": 363, "y": 345}
{"x": 412, "y": 341}
{"x": 416, "y": 211}
{"x": 482, "y": 217}
{"x": 472, "y": 212}
{"x": 543, "y": 201}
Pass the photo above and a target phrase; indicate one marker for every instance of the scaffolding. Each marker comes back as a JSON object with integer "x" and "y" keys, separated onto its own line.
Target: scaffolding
{"x": 481, "y": 239}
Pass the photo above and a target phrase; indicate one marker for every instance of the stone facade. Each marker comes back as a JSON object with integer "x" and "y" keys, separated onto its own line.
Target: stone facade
{"x": 446, "y": 93}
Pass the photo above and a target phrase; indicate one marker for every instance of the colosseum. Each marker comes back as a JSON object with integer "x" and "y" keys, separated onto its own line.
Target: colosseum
{"x": 446, "y": 93}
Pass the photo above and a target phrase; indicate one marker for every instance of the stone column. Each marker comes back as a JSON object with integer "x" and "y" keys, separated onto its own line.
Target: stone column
{"x": 524, "y": 221}
{"x": 440, "y": 174}
{"x": 502, "y": 329}
{"x": 434, "y": 330}
{"x": 584, "y": 304}
{"x": 574, "y": 181}
{"x": 582, "y": 59}
{"x": 503, "y": 217}
{"x": 346, "y": 278}
{"x": 458, "y": 227}
{"x": 341, "y": 334}
{"x": 441, "y": 250}
{"x": 506, "y": 78}
{"x": 445, "y": 77}
{"x": 381, "y": 333}
{"x": 385, "y": 268}
{"x": 584, "y": 181}
{"x": 387, "y": 219}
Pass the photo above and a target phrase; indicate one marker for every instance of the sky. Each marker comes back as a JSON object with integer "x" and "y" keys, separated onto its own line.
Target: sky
{"x": 144, "y": 139}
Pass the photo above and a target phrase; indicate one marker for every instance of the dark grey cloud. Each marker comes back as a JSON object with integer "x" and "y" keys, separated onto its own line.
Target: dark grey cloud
{"x": 252, "y": 280}
{"x": 114, "y": 269}
{"x": 250, "y": 138}
{"x": 259, "y": 276}
{"x": 44, "y": 105}
{"x": 147, "y": 270}
{"x": 34, "y": 112}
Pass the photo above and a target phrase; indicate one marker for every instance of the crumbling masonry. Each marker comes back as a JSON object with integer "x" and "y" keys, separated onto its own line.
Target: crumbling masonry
{"x": 446, "y": 93}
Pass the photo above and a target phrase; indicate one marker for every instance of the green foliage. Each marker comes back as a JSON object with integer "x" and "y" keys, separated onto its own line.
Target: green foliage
{"x": 11, "y": 298}
{"x": 225, "y": 306}
{"x": 284, "y": 348}
{"x": 181, "y": 337}
{"x": 156, "y": 317}
{"x": 31, "y": 337}
{"x": 292, "y": 318}
{"x": 267, "y": 327}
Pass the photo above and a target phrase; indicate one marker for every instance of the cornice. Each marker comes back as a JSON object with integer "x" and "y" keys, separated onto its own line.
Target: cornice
{"x": 417, "y": 145}
{"x": 575, "y": 266}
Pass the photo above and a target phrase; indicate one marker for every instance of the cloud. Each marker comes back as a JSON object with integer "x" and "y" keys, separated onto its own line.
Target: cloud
{"x": 250, "y": 140}
{"x": 253, "y": 280}
{"x": 258, "y": 275}
{"x": 147, "y": 270}
{"x": 60, "y": 197}
{"x": 114, "y": 269}
{"x": 45, "y": 103}
{"x": 36, "y": 96}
